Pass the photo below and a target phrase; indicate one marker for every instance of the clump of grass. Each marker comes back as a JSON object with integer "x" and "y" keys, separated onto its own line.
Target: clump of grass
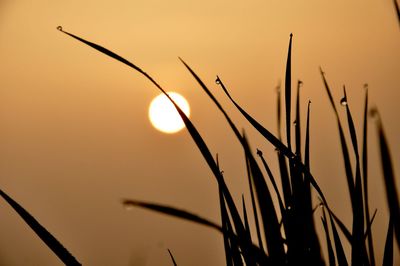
{"x": 288, "y": 235}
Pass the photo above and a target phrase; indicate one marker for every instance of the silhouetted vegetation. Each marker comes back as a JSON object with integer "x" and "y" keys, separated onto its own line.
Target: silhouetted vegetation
{"x": 287, "y": 235}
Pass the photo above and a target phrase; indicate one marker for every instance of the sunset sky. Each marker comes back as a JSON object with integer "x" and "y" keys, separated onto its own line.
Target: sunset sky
{"x": 75, "y": 137}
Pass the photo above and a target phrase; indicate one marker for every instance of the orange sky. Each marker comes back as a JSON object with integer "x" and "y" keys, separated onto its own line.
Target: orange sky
{"x": 74, "y": 132}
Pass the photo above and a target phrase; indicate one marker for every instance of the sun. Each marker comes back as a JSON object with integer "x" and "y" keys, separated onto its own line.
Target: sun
{"x": 163, "y": 115}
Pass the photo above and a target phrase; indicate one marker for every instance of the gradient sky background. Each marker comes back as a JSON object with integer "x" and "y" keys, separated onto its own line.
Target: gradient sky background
{"x": 74, "y": 132}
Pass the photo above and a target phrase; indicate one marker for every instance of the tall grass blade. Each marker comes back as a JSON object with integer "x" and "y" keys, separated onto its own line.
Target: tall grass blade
{"x": 345, "y": 152}
{"x": 288, "y": 92}
{"x": 253, "y": 203}
{"x": 341, "y": 257}
{"x": 388, "y": 253}
{"x": 390, "y": 184}
{"x": 297, "y": 124}
{"x": 371, "y": 251}
{"x": 245, "y": 219}
{"x": 278, "y": 111}
{"x": 270, "y": 220}
{"x": 331, "y": 254}
{"x": 272, "y": 179}
{"x": 172, "y": 258}
{"x": 357, "y": 243}
{"x": 225, "y": 229}
{"x": 55, "y": 246}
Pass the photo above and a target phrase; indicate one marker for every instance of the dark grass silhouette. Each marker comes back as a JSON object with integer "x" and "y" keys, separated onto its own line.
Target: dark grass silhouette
{"x": 55, "y": 246}
{"x": 287, "y": 235}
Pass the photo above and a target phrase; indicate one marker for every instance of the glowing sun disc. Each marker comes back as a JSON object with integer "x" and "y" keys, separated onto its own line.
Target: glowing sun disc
{"x": 163, "y": 115}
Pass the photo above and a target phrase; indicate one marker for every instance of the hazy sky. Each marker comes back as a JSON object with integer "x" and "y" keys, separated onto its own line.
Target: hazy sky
{"x": 74, "y": 132}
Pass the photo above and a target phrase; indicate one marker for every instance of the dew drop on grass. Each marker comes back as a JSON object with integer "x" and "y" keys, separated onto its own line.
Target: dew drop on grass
{"x": 343, "y": 101}
{"x": 127, "y": 206}
{"x": 218, "y": 81}
{"x": 59, "y": 28}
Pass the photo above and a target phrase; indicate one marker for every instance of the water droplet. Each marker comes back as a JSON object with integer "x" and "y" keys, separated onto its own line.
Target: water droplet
{"x": 259, "y": 152}
{"x": 295, "y": 122}
{"x": 300, "y": 83}
{"x": 59, "y": 28}
{"x": 127, "y": 206}
{"x": 289, "y": 208}
{"x": 343, "y": 101}
{"x": 218, "y": 81}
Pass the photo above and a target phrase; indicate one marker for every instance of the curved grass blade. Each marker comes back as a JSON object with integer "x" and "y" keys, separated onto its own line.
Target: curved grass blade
{"x": 388, "y": 253}
{"x": 172, "y": 212}
{"x": 288, "y": 92}
{"x": 57, "y": 248}
{"x": 172, "y": 258}
{"x": 276, "y": 142}
{"x": 346, "y": 232}
{"x": 345, "y": 152}
{"x": 388, "y": 174}
{"x": 189, "y": 126}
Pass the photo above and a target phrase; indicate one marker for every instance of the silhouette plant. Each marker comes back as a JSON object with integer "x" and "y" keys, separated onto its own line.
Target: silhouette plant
{"x": 287, "y": 235}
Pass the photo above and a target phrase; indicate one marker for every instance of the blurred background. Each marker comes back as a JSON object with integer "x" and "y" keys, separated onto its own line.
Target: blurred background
{"x": 75, "y": 136}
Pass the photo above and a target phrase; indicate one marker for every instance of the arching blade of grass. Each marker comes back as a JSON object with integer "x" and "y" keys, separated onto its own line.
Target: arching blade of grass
{"x": 345, "y": 152}
{"x": 346, "y": 232}
{"x": 288, "y": 93}
{"x": 357, "y": 242}
{"x": 276, "y": 142}
{"x": 388, "y": 253}
{"x": 331, "y": 254}
{"x": 172, "y": 258}
{"x": 185, "y": 215}
{"x": 193, "y": 133}
{"x": 270, "y": 220}
{"x": 365, "y": 178}
{"x": 57, "y": 248}
{"x": 390, "y": 184}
